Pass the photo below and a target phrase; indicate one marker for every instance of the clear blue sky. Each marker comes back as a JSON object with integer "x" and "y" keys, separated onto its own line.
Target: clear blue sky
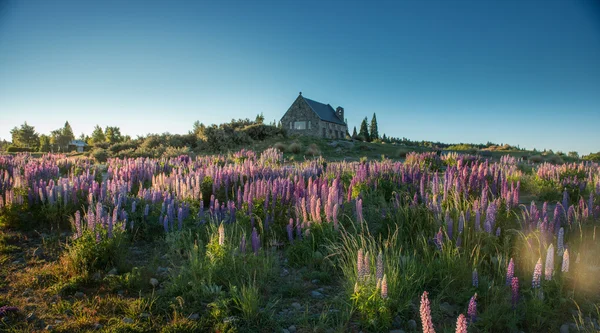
{"x": 519, "y": 72}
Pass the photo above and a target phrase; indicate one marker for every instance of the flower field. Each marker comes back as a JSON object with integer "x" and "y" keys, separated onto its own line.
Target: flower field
{"x": 250, "y": 242}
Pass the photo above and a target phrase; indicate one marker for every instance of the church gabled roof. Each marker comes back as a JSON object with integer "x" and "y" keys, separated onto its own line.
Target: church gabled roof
{"x": 324, "y": 111}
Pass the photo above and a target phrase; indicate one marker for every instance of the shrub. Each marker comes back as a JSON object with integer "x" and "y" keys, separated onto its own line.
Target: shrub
{"x": 555, "y": 159}
{"x": 313, "y": 150}
{"x": 280, "y": 146}
{"x": 101, "y": 155}
{"x": 536, "y": 159}
{"x": 261, "y": 131}
{"x": 295, "y": 148}
{"x": 14, "y": 149}
{"x": 90, "y": 253}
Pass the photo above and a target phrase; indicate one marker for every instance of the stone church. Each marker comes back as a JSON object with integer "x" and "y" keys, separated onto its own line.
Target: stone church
{"x": 308, "y": 117}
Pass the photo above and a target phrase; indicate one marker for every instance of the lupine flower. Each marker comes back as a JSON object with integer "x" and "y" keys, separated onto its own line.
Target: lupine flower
{"x": 166, "y": 223}
{"x": 6, "y": 309}
{"x": 472, "y": 310}
{"x": 560, "y": 241}
{"x": 221, "y": 234}
{"x": 379, "y": 265}
{"x": 461, "y": 324}
{"x": 384, "y": 287}
{"x": 290, "y": 230}
{"x": 78, "y": 223}
{"x": 510, "y": 271}
{"x": 439, "y": 239}
{"x": 359, "y": 210}
{"x": 565, "y": 262}
{"x": 537, "y": 275}
{"x": 515, "y": 291}
{"x": 255, "y": 241}
{"x": 549, "y": 263}
{"x": 475, "y": 278}
{"x": 498, "y": 232}
{"x": 359, "y": 264}
{"x": 425, "y": 312}
{"x": 366, "y": 266}
{"x": 243, "y": 244}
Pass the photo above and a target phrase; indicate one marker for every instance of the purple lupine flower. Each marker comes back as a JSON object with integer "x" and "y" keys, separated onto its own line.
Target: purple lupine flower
{"x": 461, "y": 324}
{"x": 477, "y": 220}
{"x": 515, "y": 291}
{"x": 536, "y": 280}
{"x": 475, "y": 278}
{"x": 549, "y": 263}
{"x": 498, "y": 232}
{"x": 510, "y": 271}
{"x": 133, "y": 206}
{"x": 379, "y": 269}
{"x": 384, "y": 287}
{"x": 565, "y": 200}
{"x": 490, "y": 217}
{"x": 255, "y": 241}
{"x": 146, "y": 210}
{"x": 166, "y": 223}
{"x": 565, "y": 262}
{"x": 290, "y": 231}
{"x": 6, "y": 309}
{"x": 472, "y": 310}
{"x": 425, "y": 311}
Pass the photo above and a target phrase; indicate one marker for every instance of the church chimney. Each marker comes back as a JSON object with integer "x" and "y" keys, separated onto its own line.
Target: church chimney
{"x": 339, "y": 111}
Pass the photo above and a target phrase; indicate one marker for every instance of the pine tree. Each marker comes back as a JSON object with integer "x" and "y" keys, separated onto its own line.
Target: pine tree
{"x": 364, "y": 131}
{"x": 373, "y": 130}
{"x": 68, "y": 132}
{"x": 97, "y": 136}
{"x": 354, "y": 133}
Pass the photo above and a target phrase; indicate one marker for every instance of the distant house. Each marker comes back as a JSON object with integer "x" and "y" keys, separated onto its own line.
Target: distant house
{"x": 77, "y": 145}
{"x": 308, "y": 117}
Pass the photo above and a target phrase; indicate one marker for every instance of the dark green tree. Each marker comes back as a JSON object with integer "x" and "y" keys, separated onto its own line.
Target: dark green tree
{"x": 68, "y": 132}
{"x": 97, "y": 136}
{"x": 113, "y": 134}
{"x": 374, "y": 133}
{"x": 44, "y": 143}
{"x": 25, "y": 136}
{"x": 363, "y": 134}
{"x": 354, "y": 133}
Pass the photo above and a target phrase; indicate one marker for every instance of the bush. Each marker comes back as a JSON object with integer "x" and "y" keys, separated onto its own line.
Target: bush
{"x": 313, "y": 150}
{"x": 536, "y": 159}
{"x": 280, "y": 146}
{"x": 100, "y": 155}
{"x": 14, "y": 149}
{"x": 121, "y": 146}
{"x": 88, "y": 254}
{"x": 555, "y": 159}
{"x": 295, "y": 148}
{"x": 261, "y": 131}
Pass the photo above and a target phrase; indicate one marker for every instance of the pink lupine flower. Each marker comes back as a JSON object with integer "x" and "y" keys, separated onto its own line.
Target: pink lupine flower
{"x": 565, "y": 262}
{"x": 461, "y": 324}
{"x": 537, "y": 275}
{"x": 549, "y": 263}
{"x": 425, "y": 312}
{"x": 515, "y": 291}
{"x": 472, "y": 310}
{"x": 384, "y": 287}
{"x": 510, "y": 271}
